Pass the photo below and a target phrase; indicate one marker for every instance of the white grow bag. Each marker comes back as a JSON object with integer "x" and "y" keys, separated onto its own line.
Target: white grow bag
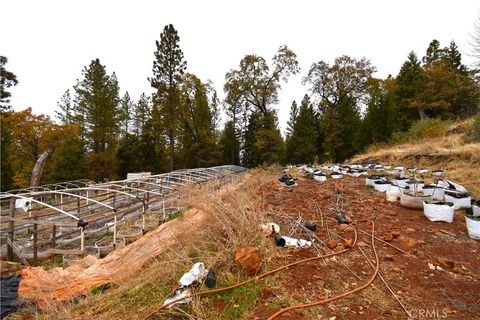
{"x": 439, "y": 212}
{"x": 459, "y": 202}
{"x": 473, "y": 228}
{"x": 393, "y": 195}
{"x": 437, "y": 193}
{"x": 371, "y": 182}
{"x": 401, "y": 182}
{"x": 476, "y": 209}
{"x": 320, "y": 178}
{"x": 382, "y": 187}
{"x": 336, "y": 175}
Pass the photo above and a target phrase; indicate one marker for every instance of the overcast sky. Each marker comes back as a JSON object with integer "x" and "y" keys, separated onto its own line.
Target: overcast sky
{"x": 49, "y": 42}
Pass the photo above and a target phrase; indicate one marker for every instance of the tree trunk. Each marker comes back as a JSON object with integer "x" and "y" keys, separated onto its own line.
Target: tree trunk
{"x": 38, "y": 168}
{"x": 171, "y": 137}
{"x": 423, "y": 114}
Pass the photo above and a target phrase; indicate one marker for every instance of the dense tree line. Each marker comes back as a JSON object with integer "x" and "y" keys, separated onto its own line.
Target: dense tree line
{"x": 103, "y": 134}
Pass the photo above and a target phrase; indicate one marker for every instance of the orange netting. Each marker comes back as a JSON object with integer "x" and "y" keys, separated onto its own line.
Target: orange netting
{"x": 57, "y": 285}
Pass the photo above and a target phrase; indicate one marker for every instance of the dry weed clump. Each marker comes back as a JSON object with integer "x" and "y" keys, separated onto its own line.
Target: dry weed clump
{"x": 233, "y": 221}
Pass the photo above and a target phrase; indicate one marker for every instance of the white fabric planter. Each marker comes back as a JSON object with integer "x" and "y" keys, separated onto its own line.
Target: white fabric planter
{"x": 437, "y": 193}
{"x": 473, "y": 228}
{"x": 336, "y": 176}
{"x": 380, "y": 186}
{"x": 415, "y": 186}
{"x": 476, "y": 209}
{"x": 423, "y": 170}
{"x": 437, "y": 173}
{"x": 393, "y": 194}
{"x": 410, "y": 201}
{"x": 459, "y": 203}
{"x": 320, "y": 178}
{"x": 371, "y": 181}
{"x": 401, "y": 182}
{"x": 439, "y": 212}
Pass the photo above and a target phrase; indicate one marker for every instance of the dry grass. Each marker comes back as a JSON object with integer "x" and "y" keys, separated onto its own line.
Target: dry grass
{"x": 234, "y": 218}
{"x": 460, "y": 160}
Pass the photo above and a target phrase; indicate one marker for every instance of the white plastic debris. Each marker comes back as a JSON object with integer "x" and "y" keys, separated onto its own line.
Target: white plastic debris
{"x": 180, "y": 293}
{"x": 23, "y": 205}
{"x": 452, "y": 185}
{"x": 296, "y": 243}
{"x": 197, "y": 273}
{"x": 270, "y": 228}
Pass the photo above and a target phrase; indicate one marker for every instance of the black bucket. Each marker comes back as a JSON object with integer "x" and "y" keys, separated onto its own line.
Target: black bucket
{"x": 311, "y": 226}
{"x": 279, "y": 241}
{"x": 211, "y": 279}
{"x": 341, "y": 219}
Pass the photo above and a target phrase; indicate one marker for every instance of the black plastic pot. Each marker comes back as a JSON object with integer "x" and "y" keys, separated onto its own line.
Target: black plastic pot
{"x": 279, "y": 241}
{"x": 211, "y": 279}
{"x": 341, "y": 219}
{"x": 311, "y": 226}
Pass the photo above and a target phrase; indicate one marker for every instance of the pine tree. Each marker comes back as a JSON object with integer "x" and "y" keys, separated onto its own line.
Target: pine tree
{"x": 128, "y": 155}
{"x": 263, "y": 141}
{"x": 380, "y": 119}
{"x": 126, "y": 113}
{"x": 292, "y": 118}
{"x": 197, "y": 135}
{"x": 434, "y": 52}
{"x": 168, "y": 69}
{"x": 68, "y": 160}
{"x": 97, "y": 105}
{"x": 302, "y": 144}
{"x": 5, "y": 164}
{"x": 229, "y": 145}
{"x": 7, "y": 80}
{"x": 141, "y": 114}
{"x": 65, "y": 114}
{"x": 407, "y": 86}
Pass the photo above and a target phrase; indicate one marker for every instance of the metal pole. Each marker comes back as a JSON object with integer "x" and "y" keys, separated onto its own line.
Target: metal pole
{"x": 35, "y": 237}
{"x": 11, "y": 228}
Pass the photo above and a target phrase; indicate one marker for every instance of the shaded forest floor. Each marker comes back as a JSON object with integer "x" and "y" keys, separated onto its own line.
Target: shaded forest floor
{"x": 435, "y": 271}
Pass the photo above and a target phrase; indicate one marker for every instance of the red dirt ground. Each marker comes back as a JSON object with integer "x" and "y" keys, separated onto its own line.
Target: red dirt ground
{"x": 449, "y": 293}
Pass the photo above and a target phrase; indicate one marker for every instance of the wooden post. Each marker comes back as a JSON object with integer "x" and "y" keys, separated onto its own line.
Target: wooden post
{"x": 11, "y": 228}
{"x": 54, "y": 238}
{"x": 78, "y": 206}
{"x": 143, "y": 217}
{"x": 35, "y": 237}
{"x": 115, "y": 231}
{"x": 82, "y": 239}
